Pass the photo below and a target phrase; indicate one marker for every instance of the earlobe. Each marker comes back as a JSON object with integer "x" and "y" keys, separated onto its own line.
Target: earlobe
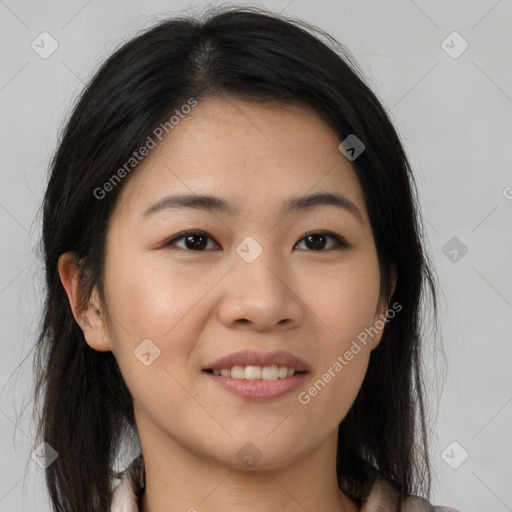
{"x": 89, "y": 317}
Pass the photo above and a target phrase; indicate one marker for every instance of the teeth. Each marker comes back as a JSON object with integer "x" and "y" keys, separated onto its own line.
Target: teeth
{"x": 256, "y": 372}
{"x": 270, "y": 373}
{"x": 238, "y": 372}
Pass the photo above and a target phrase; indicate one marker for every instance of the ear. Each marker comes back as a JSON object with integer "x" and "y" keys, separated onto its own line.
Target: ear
{"x": 382, "y": 311}
{"x": 91, "y": 319}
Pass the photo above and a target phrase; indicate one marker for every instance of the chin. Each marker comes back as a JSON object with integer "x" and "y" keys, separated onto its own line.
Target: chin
{"x": 258, "y": 453}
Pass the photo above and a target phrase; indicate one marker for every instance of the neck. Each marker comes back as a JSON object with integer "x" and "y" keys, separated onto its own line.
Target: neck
{"x": 179, "y": 480}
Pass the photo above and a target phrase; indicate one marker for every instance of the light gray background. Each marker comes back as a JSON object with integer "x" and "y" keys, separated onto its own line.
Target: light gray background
{"x": 454, "y": 116}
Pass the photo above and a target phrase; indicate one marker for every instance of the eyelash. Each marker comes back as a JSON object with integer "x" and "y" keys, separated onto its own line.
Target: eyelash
{"x": 341, "y": 243}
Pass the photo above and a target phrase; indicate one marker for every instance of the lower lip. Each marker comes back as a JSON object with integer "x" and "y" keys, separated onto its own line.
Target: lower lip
{"x": 259, "y": 389}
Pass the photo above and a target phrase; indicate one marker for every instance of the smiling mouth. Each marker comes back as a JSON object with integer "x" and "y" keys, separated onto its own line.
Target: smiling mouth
{"x": 268, "y": 373}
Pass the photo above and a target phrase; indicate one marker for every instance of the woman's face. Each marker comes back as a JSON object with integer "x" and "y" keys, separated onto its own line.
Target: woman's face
{"x": 250, "y": 280}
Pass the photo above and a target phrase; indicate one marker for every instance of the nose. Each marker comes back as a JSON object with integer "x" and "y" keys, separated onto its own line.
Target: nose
{"x": 260, "y": 296}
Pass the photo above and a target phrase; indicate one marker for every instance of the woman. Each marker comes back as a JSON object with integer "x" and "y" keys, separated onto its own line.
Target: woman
{"x": 235, "y": 273}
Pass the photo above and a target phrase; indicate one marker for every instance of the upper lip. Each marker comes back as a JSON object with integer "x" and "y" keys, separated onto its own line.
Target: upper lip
{"x": 254, "y": 358}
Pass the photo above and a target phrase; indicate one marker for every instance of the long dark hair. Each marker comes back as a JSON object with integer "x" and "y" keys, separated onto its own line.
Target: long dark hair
{"x": 252, "y": 54}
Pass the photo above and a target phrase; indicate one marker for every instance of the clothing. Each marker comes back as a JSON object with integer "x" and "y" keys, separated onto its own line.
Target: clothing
{"x": 381, "y": 498}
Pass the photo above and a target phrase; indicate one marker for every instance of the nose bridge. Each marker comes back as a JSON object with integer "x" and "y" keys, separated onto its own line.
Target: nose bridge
{"x": 259, "y": 291}
{"x": 257, "y": 270}
{"x": 264, "y": 275}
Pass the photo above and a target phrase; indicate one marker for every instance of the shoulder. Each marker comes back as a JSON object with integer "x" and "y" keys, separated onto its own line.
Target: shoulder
{"x": 417, "y": 504}
{"x": 126, "y": 493}
{"x": 383, "y": 498}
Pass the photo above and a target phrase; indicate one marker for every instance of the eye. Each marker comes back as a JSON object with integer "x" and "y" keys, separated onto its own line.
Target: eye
{"x": 193, "y": 240}
{"x": 317, "y": 240}
{"x": 198, "y": 241}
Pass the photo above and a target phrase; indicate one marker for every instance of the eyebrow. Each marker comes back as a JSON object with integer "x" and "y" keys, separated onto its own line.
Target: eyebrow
{"x": 212, "y": 203}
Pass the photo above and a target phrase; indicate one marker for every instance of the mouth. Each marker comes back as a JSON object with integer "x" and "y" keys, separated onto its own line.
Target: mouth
{"x": 267, "y": 373}
{"x": 258, "y": 375}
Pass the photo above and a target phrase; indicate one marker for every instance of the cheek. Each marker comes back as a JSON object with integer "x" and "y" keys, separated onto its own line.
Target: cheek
{"x": 339, "y": 389}
{"x": 153, "y": 330}
{"x": 343, "y": 302}
{"x": 337, "y": 381}
{"x": 147, "y": 297}
{"x": 147, "y": 302}
{"x": 344, "y": 305}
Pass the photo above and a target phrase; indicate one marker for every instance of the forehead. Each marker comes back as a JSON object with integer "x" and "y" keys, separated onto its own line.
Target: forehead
{"x": 254, "y": 154}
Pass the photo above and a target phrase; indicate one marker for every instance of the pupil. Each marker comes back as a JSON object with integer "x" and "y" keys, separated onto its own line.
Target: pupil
{"x": 315, "y": 243}
{"x": 196, "y": 245}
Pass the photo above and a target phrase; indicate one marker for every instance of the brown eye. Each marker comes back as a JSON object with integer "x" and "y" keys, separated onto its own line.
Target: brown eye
{"x": 318, "y": 241}
{"x": 197, "y": 241}
{"x": 193, "y": 241}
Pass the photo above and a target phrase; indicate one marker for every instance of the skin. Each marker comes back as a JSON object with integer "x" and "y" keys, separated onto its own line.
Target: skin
{"x": 197, "y": 306}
